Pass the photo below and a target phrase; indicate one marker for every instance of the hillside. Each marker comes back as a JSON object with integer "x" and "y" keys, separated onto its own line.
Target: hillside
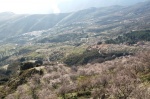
{"x": 109, "y": 21}
{"x": 13, "y": 25}
{"x": 94, "y": 53}
{"x": 131, "y": 38}
{"x": 125, "y": 77}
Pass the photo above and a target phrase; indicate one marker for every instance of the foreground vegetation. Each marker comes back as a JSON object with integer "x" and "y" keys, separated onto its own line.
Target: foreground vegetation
{"x": 62, "y": 71}
{"x": 122, "y": 78}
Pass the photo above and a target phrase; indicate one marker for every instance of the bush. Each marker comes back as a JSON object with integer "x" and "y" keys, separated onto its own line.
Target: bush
{"x": 131, "y": 38}
{"x": 22, "y": 78}
{"x": 26, "y": 66}
{"x": 91, "y": 56}
{"x": 3, "y": 80}
{"x": 84, "y": 58}
{"x": 84, "y": 93}
{"x": 38, "y": 62}
{"x": 22, "y": 59}
{"x": 72, "y": 59}
{"x": 99, "y": 43}
{"x": 12, "y": 68}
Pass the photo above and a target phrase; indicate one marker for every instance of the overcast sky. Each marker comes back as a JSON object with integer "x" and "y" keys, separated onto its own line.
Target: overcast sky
{"x": 56, "y": 6}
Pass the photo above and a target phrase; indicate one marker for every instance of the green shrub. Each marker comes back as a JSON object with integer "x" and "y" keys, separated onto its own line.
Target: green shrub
{"x": 131, "y": 38}
{"x": 84, "y": 58}
{"x": 3, "y": 80}
{"x": 145, "y": 77}
{"x": 22, "y": 59}
{"x": 26, "y": 66}
{"x": 12, "y": 68}
{"x": 22, "y": 78}
{"x": 72, "y": 59}
{"x": 99, "y": 43}
{"x": 91, "y": 56}
{"x": 84, "y": 93}
{"x": 38, "y": 62}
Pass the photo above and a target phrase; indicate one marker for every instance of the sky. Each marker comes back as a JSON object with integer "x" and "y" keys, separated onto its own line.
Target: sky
{"x": 56, "y": 6}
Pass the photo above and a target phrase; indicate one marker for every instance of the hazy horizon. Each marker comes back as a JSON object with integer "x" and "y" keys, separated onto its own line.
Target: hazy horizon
{"x": 56, "y": 6}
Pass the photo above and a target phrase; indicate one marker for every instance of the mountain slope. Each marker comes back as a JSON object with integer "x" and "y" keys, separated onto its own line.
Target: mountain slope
{"x": 112, "y": 20}
{"x": 18, "y": 24}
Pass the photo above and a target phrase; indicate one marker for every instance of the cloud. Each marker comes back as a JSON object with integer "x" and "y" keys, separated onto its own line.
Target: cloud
{"x": 29, "y": 6}
{"x": 56, "y": 6}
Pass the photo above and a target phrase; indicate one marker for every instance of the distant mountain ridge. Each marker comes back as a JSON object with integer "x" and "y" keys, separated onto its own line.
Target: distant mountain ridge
{"x": 13, "y": 24}
{"x": 16, "y": 24}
